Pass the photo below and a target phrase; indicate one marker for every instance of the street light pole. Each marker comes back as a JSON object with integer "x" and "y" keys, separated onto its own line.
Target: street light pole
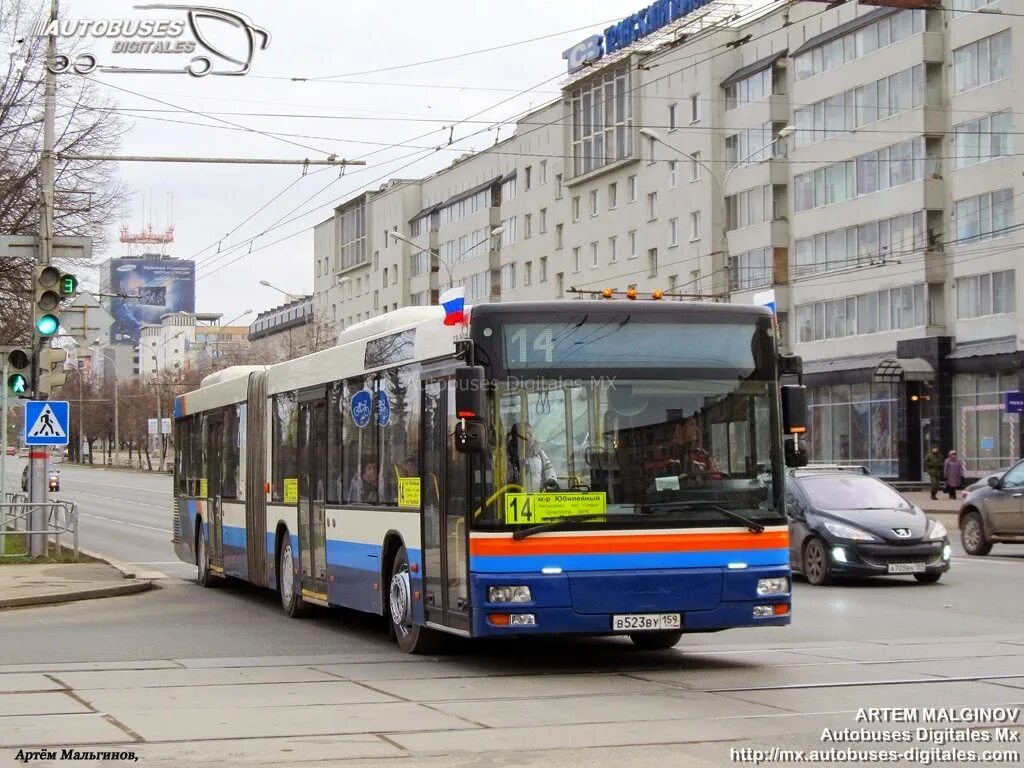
{"x": 448, "y": 267}
{"x": 721, "y": 183}
{"x": 289, "y": 296}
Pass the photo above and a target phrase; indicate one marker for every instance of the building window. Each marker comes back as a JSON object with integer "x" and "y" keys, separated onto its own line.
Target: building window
{"x": 752, "y": 206}
{"x": 984, "y": 139}
{"x": 467, "y": 206}
{"x": 376, "y": 257}
{"x": 854, "y": 424}
{"x": 876, "y": 312}
{"x": 673, "y": 232}
{"x": 613, "y": 196}
{"x": 510, "y": 231}
{"x": 652, "y": 143}
{"x": 560, "y": 284}
{"x": 602, "y": 121}
{"x": 595, "y": 255}
{"x": 633, "y": 253}
{"x": 983, "y": 61}
{"x": 673, "y": 176}
{"x": 695, "y": 166}
{"x": 593, "y": 202}
{"x": 984, "y": 217}
{"x": 752, "y": 269}
{"x": 528, "y": 273}
{"x": 652, "y": 262}
{"x": 673, "y": 283}
{"x": 528, "y": 177}
{"x": 419, "y": 263}
{"x": 559, "y": 230}
{"x": 988, "y": 294}
{"x": 860, "y": 106}
{"x": 384, "y": 276}
{"x": 508, "y": 189}
{"x": 376, "y": 299}
{"x": 527, "y": 225}
{"x": 576, "y": 264}
{"x": 694, "y": 225}
{"x": 835, "y": 53}
{"x": 672, "y": 111}
{"x": 985, "y": 439}
{"x": 508, "y": 277}
{"x": 576, "y": 208}
{"x": 542, "y": 174}
{"x": 558, "y": 186}
{"x": 751, "y": 88}
{"x": 543, "y": 220}
{"x": 754, "y": 145}
{"x": 613, "y": 255}
{"x": 543, "y": 269}
{"x": 631, "y": 183}
{"x": 652, "y": 205}
{"x": 860, "y": 245}
{"x": 695, "y": 108}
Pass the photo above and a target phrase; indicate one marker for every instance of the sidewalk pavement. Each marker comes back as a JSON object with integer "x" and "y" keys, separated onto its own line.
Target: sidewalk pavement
{"x": 43, "y": 584}
{"x": 943, "y": 509}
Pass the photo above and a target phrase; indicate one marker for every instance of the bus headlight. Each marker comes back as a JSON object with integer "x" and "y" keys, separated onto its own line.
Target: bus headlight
{"x": 519, "y": 594}
{"x": 776, "y": 586}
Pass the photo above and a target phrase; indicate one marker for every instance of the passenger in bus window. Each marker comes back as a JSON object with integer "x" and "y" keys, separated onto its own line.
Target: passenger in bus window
{"x": 363, "y": 488}
{"x": 529, "y": 464}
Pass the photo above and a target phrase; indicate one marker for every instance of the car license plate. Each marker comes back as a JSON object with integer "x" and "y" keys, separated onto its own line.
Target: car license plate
{"x": 906, "y": 567}
{"x": 646, "y": 622}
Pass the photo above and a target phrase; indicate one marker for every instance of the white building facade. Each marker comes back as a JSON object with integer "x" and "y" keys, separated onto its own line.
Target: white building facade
{"x": 856, "y": 161}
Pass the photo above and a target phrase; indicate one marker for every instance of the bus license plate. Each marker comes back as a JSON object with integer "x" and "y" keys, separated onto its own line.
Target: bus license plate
{"x": 646, "y": 622}
{"x": 906, "y": 567}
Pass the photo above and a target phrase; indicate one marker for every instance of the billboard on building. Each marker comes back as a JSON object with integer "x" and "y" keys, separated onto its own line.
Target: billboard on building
{"x": 146, "y": 289}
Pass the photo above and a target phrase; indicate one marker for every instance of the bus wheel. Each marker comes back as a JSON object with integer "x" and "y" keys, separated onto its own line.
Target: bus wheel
{"x": 203, "y": 573}
{"x": 410, "y": 637}
{"x": 293, "y": 605}
{"x": 655, "y": 641}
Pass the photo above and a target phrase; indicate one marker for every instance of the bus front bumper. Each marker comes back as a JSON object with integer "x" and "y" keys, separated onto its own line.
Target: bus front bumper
{"x": 706, "y": 600}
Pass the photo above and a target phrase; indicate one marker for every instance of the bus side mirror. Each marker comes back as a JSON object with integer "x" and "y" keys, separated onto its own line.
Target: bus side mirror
{"x": 470, "y": 410}
{"x": 794, "y": 409}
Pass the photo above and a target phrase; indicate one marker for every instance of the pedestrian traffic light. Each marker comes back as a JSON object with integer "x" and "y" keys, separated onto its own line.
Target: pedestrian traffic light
{"x": 47, "y": 299}
{"x": 18, "y": 363}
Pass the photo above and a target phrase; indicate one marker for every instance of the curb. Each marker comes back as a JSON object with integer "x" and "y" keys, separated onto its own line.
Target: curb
{"x": 125, "y": 570}
{"x": 74, "y": 596}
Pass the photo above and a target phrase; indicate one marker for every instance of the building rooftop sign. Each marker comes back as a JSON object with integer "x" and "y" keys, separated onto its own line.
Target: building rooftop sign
{"x": 626, "y": 32}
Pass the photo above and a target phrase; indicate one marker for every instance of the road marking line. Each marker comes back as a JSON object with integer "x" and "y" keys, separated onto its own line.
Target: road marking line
{"x": 125, "y": 522}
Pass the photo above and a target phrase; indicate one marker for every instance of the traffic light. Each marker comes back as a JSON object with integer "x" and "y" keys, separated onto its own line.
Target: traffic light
{"x": 19, "y": 362}
{"x": 50, "y": 288}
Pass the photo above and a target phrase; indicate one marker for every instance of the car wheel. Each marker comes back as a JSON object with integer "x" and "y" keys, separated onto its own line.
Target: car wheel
{"x": 293, "y": 605}
{"x": 927, "y": 578}
{"x": 655, "y": 641}
{"x": 410, "y": 637}
{"x": 972, "y": 535}
{"x": 816, "y": 566}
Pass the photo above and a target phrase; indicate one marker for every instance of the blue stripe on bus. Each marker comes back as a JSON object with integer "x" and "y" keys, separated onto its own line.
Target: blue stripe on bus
{"x": 626, "y": 561}
{"x": 234, "y": 536}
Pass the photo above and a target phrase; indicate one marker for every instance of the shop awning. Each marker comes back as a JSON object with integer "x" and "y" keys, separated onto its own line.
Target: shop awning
{"x": 894, "y": 370}
{"x": 841, "y": 364}
{"x": 1006, "y": 346}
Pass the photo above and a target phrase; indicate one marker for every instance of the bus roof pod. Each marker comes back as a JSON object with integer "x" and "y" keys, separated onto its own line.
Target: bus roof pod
{"x": 397, "y": 320}
{"x": 227, "y": 374}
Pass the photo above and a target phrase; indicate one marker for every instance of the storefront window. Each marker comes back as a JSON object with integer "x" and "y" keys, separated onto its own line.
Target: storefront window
{"x": 854, "y": 424}
{"x": 986, "y": 436}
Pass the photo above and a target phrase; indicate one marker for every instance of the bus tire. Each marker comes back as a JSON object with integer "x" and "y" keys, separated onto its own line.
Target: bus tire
{"x": 655, "y": 641}
{"x": 292, "y": 604}
{"x": 410, "y": 637}
{"x": 203, "y": 573}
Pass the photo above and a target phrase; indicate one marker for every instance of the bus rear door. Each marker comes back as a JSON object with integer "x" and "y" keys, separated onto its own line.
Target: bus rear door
{"x": 312, "y": 470}
{"x": 214, "y": 509}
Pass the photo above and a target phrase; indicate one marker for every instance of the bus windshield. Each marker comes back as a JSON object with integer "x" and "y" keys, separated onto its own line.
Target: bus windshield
{"x": 641, "y": 452}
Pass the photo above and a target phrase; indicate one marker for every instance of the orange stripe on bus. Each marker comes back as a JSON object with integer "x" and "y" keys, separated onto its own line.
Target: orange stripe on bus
{"x": 678, "y": 542}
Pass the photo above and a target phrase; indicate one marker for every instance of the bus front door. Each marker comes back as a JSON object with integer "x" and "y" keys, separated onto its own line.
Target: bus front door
{"x": 444, "y": 483}
{"x": 312, "y": 470}
{"x": 214, "y": 509}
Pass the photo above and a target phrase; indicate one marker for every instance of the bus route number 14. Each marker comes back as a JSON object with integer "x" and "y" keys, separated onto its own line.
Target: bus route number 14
{"x": 518, "y": 508}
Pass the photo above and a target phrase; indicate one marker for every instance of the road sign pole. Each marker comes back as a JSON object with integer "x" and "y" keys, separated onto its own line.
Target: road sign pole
{"x": 3, "y": 460}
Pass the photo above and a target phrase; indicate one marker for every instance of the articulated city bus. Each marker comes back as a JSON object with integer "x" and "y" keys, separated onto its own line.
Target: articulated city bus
{"x": 575, "y": 467}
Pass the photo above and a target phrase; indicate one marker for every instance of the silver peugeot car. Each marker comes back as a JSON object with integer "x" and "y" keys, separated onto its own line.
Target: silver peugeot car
{"x": 993, "y": 511}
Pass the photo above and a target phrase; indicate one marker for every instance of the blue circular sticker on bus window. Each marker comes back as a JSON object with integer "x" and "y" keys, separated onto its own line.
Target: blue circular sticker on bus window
{"x": 383, "y": 409}
{"x": 362, "y": 407}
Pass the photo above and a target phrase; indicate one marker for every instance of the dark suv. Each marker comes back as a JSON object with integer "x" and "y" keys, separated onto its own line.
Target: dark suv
{"x": 845, "y": 522}
{"x": 994, "y": 512}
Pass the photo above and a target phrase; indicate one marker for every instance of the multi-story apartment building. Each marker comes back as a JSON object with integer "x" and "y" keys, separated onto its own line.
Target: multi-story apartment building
{"x": 852, "y": 164}
{"x": 186, "y": 341}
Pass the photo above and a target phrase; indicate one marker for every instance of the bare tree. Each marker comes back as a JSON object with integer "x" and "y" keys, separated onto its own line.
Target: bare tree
{"x": 87, "y": 194}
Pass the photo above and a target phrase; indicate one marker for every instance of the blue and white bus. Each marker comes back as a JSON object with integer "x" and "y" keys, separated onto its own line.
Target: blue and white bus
{"x": 587, "y": 467}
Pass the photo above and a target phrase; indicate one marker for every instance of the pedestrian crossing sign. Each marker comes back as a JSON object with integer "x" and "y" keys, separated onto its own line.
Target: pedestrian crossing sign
{"x": 46, "y": 422}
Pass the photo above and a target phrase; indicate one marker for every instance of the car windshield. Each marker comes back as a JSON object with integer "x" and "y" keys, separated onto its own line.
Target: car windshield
{"x": 850, "y": 492}
{"x": 642, "y": 452}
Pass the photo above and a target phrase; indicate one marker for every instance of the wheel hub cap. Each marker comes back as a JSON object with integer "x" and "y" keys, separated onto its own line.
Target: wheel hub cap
{"x": 401, "y": 604}
{"x": 287, "y": 580}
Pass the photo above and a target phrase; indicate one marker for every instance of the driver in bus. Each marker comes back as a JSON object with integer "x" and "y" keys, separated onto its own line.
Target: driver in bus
{"x": 530, "y": 465}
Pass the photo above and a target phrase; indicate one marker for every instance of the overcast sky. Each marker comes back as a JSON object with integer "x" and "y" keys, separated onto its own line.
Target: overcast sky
{"x": 326, "y": 38}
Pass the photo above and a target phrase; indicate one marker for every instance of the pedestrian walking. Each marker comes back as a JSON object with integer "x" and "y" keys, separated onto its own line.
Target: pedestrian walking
{"x": 953, "y": 471}
{"x": 933, "y": 467}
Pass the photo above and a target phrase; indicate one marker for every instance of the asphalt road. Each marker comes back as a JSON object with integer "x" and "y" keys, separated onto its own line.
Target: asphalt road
{"x": 184, "y": 674}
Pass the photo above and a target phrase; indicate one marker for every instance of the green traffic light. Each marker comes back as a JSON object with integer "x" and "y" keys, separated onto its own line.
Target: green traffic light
{"x": 68, "y": 285}
{"x": 47, "y": 325}
{"x": 18, "y": 383}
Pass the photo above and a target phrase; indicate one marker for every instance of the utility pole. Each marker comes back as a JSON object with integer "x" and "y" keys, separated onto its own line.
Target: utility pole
{"x": 39, "y": 455}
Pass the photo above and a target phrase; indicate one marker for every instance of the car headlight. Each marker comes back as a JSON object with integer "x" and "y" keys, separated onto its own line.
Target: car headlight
{"x": 936, "y": 530}
{"x": 516, "y": 594}
{"x": 848, "y": 532}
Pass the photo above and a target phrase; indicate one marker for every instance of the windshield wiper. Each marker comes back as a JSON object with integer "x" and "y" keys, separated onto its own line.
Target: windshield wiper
{"x": 675, "y": 506}
{"x": 522, "y": 533}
